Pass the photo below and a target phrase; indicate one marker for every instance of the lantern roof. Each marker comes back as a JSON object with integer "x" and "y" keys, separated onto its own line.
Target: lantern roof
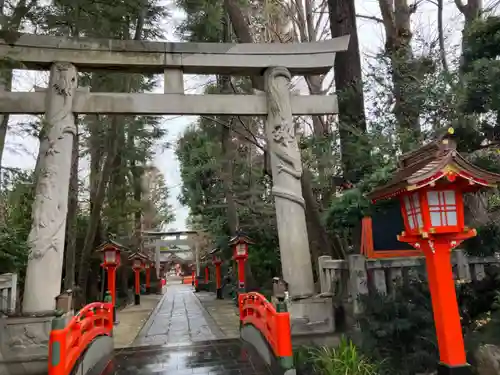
{"x": 138, "y": 255}
{"x": 111, "y": 243}
{"x": 240, "y": 237}
{"x": 215, "y": 251}
{"x": 430, "y": 163}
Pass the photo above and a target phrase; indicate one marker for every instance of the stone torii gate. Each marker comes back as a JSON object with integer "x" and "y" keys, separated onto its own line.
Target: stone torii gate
{"x": 277, "y": 63}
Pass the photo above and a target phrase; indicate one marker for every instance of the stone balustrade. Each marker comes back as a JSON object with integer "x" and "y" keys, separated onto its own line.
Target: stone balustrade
{"x": 8, "y": 293}
{"x": 345, "y": 280}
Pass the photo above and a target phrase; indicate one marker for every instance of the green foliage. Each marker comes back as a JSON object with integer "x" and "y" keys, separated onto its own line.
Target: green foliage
{"x": 201, "y": 162}
{"x": 345, "y": 212}
{"x": 488, "y": 330}
{"x": 345, "y": 359}
{"x": 17, "y": 197}
{"x": 487, "y": 241}
{"x": 399, "y": 329}
{"x": 203, "y": 20}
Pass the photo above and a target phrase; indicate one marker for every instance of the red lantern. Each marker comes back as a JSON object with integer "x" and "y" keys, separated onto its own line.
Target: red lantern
{"x": 430, "y": 183}
{"x": 433, "y": 209}
{"x": 240, "y": 244}
{"x": 217, "y": 261}
{"x": 111, "y": 260}
{"x": 138, "y": 262}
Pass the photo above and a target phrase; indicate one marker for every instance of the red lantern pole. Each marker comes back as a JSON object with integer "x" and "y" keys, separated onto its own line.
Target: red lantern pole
{"x": 111, "y": 260}
{"x": 444, "y": 303}
{"x": 193, "y": 276}
{"x": 218, "y": 280}
{"x": 148, "y": 279}
{"x": 207, "y": 274}
{"x": 112, "y": 283}
{"x": 241, "y": 274}
{"x": 433, "y": 216}
{"x": 137, "y": 282}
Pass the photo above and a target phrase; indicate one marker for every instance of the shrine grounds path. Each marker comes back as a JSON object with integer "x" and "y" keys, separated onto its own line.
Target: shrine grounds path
{"x": 189, "y": 335}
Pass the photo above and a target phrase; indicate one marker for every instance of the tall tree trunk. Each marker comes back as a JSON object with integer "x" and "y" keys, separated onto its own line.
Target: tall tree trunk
{"x": 72, "y": 217}
{"x": 227, "y": 143}
{"x": 442, "y": 49}
{"x": 97, "y": 203}
{"x": 5, "y": 85}
{"x": 405, "y": 77}
{"x": 349, "y": 87}
{"x": 471, "y": 11}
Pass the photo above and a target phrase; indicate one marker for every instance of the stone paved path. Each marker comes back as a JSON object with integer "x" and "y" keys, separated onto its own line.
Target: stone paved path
{"x": 180, "y": 319}
{"x": 182, "y": 338}
{"x": 221, "y": 357}
{"x": 132, "y": 319}
{"x": 223, "y": 312}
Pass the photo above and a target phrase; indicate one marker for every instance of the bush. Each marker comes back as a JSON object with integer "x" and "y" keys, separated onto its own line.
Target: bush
{"x": 399, "y": 329}
{"x": 342, "y": 360}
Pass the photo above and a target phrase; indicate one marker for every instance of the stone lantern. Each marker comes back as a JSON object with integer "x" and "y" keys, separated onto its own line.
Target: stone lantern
{"x": 430, "y": 184}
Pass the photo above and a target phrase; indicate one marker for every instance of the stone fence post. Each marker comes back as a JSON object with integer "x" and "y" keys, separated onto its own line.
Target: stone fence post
{"x": 358, "y": 280}
{"x": 8, "y": 292}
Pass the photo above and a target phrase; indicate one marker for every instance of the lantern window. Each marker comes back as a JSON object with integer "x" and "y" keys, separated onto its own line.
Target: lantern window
{"x": 241, "y": 249}
{"x": 110, "y": 256}
{"x": 442, "y": 208}
{"x": 413, "y": 211}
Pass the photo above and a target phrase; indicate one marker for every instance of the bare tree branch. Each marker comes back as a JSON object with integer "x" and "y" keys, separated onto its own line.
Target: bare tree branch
{"x": 370, "y": 18}
{"x": 442, "y": 50}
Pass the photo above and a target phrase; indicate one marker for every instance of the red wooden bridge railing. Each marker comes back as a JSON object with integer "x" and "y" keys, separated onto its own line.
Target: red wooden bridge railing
{"x": 67, "y": 343}
{"x": 256, "y": 310}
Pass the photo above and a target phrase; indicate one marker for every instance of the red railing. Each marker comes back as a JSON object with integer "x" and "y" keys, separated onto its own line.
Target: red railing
{"x": 68, "y": 343}
{"x": 187, "y": 280}
{"x": 255, "y": 309}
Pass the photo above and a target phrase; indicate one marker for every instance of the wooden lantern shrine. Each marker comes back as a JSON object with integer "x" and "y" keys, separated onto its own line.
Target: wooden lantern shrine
{"x": 111, "y": 254}
{"x": 240, "y": 244}
{"x": 430, "y": 184}
{"x": 138, "y": 261}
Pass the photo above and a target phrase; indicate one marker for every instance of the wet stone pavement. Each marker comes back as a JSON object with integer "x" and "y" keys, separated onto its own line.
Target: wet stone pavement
{"x": 181, "y": 338}
{"x": 179, "y": 318}
{"x": 221, "y": 357}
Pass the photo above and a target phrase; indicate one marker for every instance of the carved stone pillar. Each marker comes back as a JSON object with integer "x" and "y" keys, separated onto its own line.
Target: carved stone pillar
{"x": 286, "y": 167}
{"x": 46, "y": 238}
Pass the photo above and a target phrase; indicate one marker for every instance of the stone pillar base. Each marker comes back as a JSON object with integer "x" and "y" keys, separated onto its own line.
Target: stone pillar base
{"x": 137, "y": 299}
{"x": 313, "y": 315}
{"x": 24, "y": 345}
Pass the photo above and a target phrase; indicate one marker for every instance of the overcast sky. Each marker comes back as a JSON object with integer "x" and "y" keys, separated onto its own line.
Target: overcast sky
{"x": 21, "y": 152}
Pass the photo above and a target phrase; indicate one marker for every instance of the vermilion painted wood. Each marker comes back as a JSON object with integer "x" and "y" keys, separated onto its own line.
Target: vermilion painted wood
{"x": 255, "y": 309}
{"x": 95, "y": 319}
{"x": 367, "y": 245}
